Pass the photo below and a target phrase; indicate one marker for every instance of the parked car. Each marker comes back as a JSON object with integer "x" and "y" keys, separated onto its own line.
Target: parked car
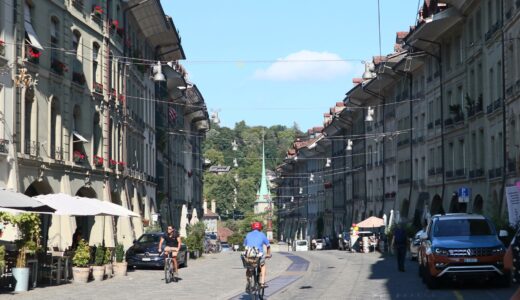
{"x": 143, "y": 253}
{"x": 415, "y": 242}
{"x": 319, "y": 244}
{"x": 224, "y": 247}
{"x": 301, "y": 245}
{"x": 460, "y": 246}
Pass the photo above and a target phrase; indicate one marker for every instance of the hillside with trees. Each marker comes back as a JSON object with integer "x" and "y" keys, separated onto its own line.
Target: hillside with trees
{"x": 245, "y": 177}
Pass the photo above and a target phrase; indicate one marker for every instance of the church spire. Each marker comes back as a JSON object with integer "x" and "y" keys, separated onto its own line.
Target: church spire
{"x": 263, "y": 195}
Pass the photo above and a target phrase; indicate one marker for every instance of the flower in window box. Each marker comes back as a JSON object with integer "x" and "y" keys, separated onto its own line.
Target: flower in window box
{"x": 33, "y": 53}
{"x": 146, "y": 222}
{"x": 98, "y": 87}
{"x": 115, "y": 24}
{"x": 121, "y": 165}
{"x": 78, "y": 156}
{"x": 120, "y": 31}
{"x": 59, "y": 67}
{"x": 2, "y": 47}
{"x": 112, "y": 163}
{"x": 97, "y": 10}
{"x": 122, "y": 98}
{"x": 98, "y": 161}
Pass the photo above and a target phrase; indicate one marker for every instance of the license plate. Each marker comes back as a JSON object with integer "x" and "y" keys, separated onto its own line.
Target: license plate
{"x": 146, "y": 259}
{"x": 470, "y": 260}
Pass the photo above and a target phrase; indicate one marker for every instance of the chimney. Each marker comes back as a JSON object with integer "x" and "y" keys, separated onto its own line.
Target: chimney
{"x": 205, "y": 206}
{"x": 213, "y": 206}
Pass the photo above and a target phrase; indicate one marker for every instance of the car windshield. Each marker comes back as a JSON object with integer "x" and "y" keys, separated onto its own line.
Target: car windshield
{"x": 225, "y": 246}
{"x": 149, "y": 238}
{"x": 301, "y": 243}
{"x": 462, "y": 227}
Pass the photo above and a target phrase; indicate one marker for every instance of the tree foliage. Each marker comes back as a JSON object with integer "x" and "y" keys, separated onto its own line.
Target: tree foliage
{"x": 218, "y": 150}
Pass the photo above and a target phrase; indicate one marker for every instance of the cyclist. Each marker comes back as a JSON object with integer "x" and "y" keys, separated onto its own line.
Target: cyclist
{"x": 172, "y": 241}
{"x": 257, "y": 239}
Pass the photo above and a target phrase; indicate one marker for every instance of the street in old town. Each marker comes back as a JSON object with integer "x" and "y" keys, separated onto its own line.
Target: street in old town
{"x": 330, "y": 274}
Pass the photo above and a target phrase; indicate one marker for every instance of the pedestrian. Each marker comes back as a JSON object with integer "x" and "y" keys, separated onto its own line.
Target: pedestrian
{"x": 76, "y": 237}
{"x": 399, "y": 244}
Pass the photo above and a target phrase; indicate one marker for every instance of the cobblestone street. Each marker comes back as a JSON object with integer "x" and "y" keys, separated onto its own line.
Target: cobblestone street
{"x": 215, "y": 276}
{"x": 292, "y": 275}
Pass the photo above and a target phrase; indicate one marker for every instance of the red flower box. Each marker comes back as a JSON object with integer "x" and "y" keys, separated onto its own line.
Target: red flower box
{"x": 78, "y": 156}
{"x": 98, "y": 161}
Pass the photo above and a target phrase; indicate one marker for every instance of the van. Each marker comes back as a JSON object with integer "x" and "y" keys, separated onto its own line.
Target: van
{"x": 301, "y": 245}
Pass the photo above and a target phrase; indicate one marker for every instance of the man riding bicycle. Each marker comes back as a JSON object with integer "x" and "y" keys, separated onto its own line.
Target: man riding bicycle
{"x": 172, "y": 240}
{"x": 257, "y": 239}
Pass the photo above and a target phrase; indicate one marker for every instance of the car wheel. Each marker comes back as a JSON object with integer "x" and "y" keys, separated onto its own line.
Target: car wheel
{"x": 431, "y": 282}
{"x": 185, "y": 262}
{"x": 504, "y": 281}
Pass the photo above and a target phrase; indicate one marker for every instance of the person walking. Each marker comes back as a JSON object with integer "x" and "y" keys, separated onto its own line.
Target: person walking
{"x": 399, "y": 244}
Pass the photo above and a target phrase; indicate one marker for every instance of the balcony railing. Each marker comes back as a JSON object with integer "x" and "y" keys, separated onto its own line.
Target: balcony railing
{"x": 489, "y": 108}
{"x": 497, "y": 104}
{"x": 438, "y": 170}
{"x": 32, "y": 148}
{"x": 449, "y": 174}
{"x": 491, "y": 173}
{"x": 498, "y": 172}
{"x": 57, "y": 153}
{"x": 479, "y": 172}
{"x": 448, "y": 122}
{"x": 437, "y": 122}
{"x": 460, "y": 172}
{"x": 472, "y": 174}
{"x": 431, "y": 172}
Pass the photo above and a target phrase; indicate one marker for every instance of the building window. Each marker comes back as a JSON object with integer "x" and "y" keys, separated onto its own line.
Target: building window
{"x": 54, "y": 38}
{"x": 98, "y": 136}
{"x": 55, "y": 132}
{"x": 96, "y": 73}
{"x": 29, "y": 122}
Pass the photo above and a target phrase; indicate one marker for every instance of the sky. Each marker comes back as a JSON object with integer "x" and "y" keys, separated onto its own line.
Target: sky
{"x": 282, "y": 62}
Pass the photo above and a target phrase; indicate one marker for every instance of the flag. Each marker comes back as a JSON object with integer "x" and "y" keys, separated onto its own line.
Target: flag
{"x": 172, "y": 114}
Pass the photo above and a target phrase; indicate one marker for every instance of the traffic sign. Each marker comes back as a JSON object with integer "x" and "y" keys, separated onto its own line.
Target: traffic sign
{"x": 464, "y": 194}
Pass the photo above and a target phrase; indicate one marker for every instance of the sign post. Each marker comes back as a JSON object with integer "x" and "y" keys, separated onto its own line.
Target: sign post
{"x": 464, "y": 195}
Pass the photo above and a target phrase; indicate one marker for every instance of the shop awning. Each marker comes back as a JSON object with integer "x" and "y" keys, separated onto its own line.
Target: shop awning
{"x": 13, "y": 200}
{"x": 80, "y": 206}
{"x": 29, "y": 28}
{"x": 79, "y": 137}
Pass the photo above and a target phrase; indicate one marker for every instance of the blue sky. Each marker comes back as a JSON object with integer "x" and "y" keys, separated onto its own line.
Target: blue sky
{"x": 233, "y": 48}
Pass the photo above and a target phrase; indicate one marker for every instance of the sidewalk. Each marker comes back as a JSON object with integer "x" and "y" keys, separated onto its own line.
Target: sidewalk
{"x": 214, "y": 276}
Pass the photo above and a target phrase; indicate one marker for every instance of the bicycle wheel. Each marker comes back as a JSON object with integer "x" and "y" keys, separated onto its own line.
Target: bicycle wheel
{"x": 167, "y": 271}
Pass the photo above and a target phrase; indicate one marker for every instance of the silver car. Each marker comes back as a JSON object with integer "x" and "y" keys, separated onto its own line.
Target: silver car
{"x": 414, "y": 245}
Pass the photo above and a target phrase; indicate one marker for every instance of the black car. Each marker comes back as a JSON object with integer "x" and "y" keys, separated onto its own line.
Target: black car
{"x": 144, "y": 252}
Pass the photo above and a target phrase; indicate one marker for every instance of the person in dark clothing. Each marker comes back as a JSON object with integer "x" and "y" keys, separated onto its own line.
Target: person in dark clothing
{"x": 76, "y": 237}
{"x": 399, "y": 244}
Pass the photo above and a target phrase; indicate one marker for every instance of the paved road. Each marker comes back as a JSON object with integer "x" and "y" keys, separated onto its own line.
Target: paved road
{"x": 292, "y": 275}
{"x": 341, "y": 275}
{"x": 215, "y": 276}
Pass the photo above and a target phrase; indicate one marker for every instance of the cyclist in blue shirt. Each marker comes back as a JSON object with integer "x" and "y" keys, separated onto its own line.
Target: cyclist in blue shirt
{"x": 257, "y": 239}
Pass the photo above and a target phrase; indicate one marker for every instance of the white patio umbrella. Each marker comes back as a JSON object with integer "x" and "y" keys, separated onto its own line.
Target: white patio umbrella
{"x": 80, "y": 206}
{"x": 15, "y": 200}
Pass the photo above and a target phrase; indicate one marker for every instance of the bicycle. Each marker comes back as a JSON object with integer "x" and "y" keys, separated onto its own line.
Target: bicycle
{"x": 169, "y": 268}
{"x": 254, "y": 288}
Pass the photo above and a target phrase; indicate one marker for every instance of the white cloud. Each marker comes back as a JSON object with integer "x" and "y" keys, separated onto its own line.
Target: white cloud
{"x": 306, "y": 65}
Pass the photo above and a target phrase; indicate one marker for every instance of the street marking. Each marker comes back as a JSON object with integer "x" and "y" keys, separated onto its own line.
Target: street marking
{"x": 458, "y": 295}
{"x": 292, "y": 273}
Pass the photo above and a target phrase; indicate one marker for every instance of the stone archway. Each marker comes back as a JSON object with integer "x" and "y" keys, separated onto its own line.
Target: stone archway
{"x": 41, "y": 187}
{"x": 478, "y": 205}
{"x": 85, "y": 223}
{"x": 38, "y": 188}
{"x": 437, "y": 207}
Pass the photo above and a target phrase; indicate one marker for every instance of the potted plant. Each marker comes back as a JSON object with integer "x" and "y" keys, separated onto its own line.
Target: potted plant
{"x": 195, "y": 239}
{"x": 78, "y": 156}
{"x": 120, "y": 265}
{"x": 98, "y": 270}
{"x": 107, "y": 261}
{"x": 29, "y": 232}
{"x": 2, "y": 260}
{"x": 80, "y": 262}
{"x": 98, "y": 161}
{"x": 2, "y": 47}
{"x": 112, "y": 163}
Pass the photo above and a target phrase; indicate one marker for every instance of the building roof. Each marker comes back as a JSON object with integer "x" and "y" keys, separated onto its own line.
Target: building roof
{"x": 219, "y": 169}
